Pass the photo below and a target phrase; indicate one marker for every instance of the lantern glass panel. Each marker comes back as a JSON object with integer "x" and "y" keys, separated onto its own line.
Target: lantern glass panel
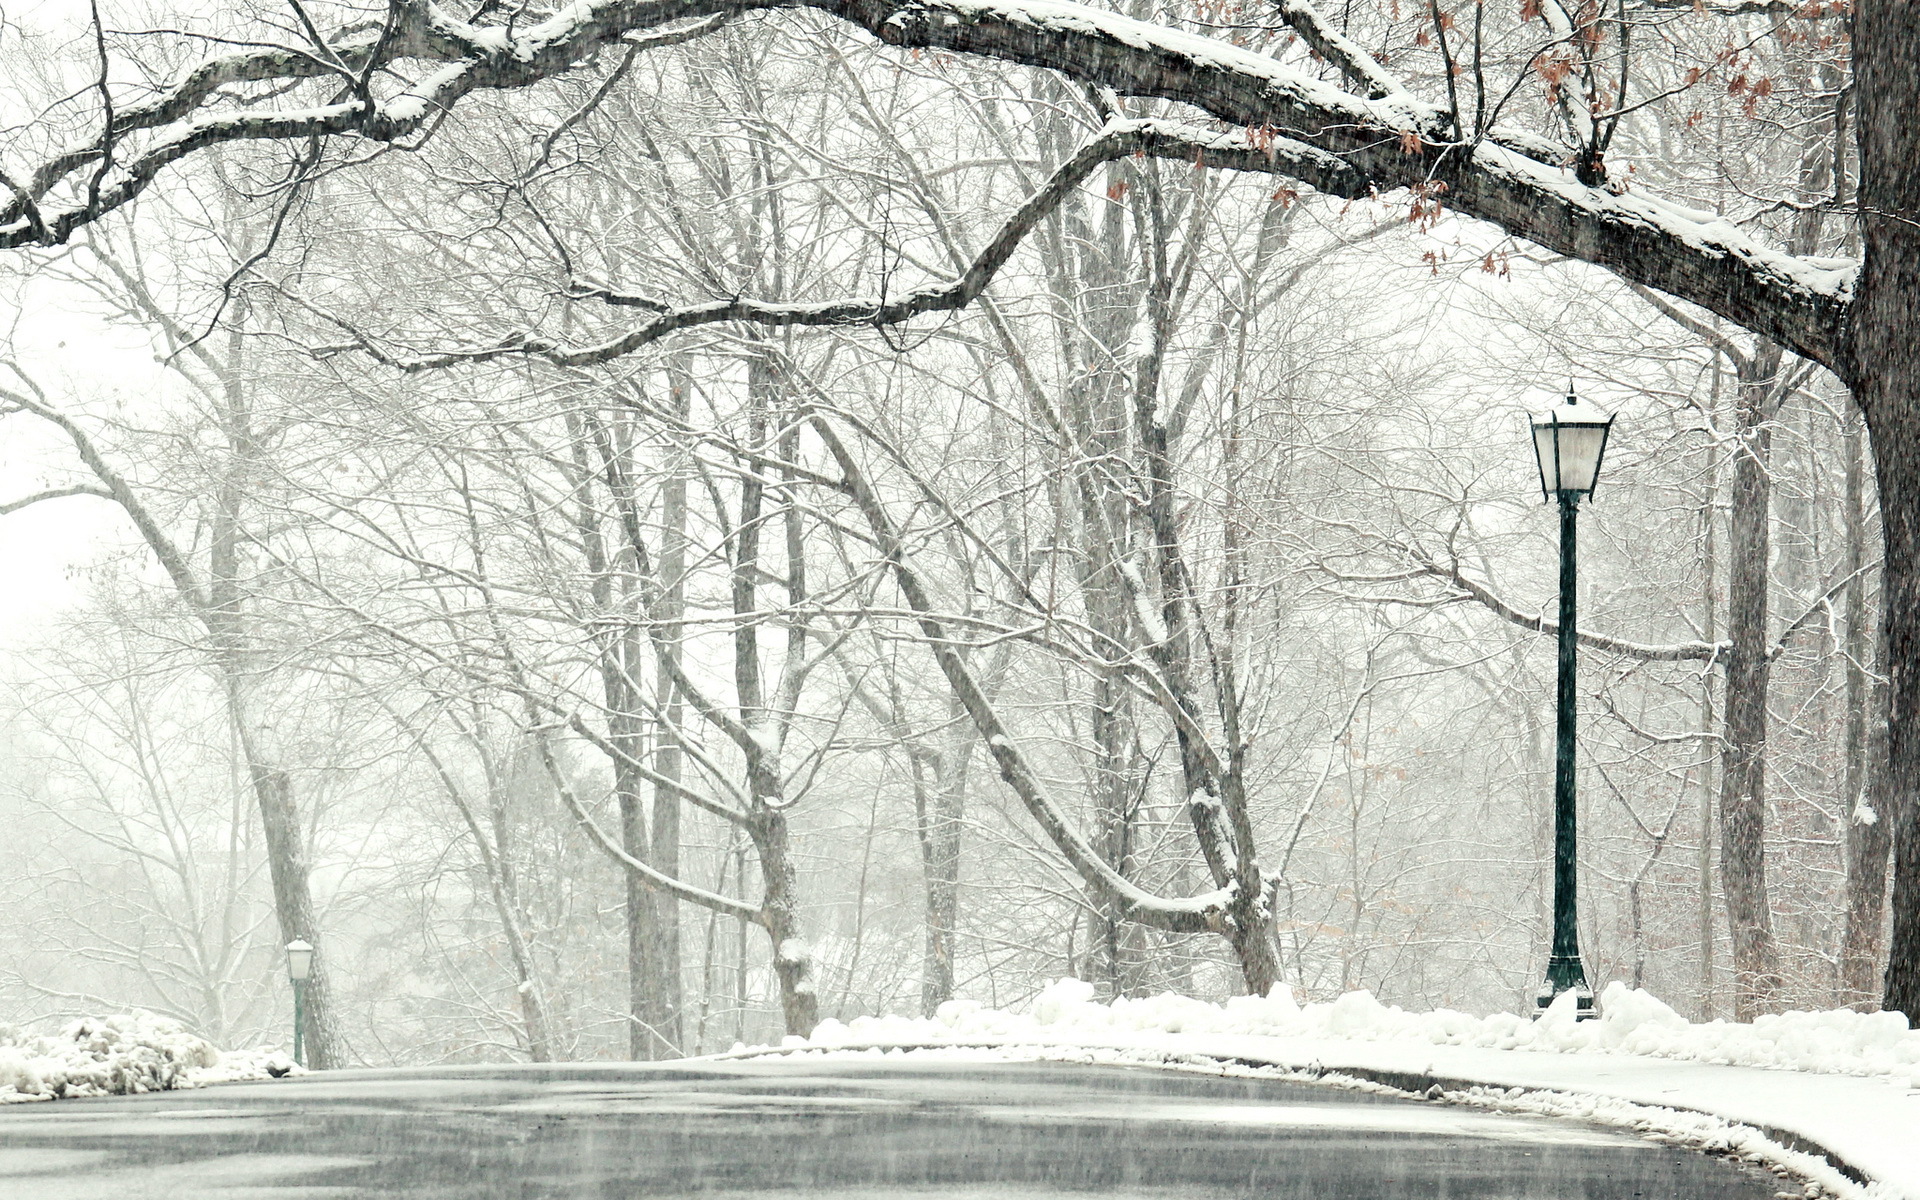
{"x": 299, "y": 959}
{"x": 1576, "y": 464}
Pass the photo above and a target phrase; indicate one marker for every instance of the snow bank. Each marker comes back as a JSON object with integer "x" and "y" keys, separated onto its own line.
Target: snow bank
{"x": 119, "y": 1055}
{"x": 1632, "y": 1022}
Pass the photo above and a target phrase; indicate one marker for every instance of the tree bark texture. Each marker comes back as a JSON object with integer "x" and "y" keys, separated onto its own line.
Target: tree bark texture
{"x": 293, "y": 905}
{"x": 767, "y": 822}
{"x": 940, "y": 826}
{"x": 1868, "y": 834}
{"x": 669, "y": 758}
{"x": 1104, "y": 298}
{"x": 1710, "y": 615}
{"x": 616, "y": 586}
{"x": 1882, "y": 365}
{"x": 1743, "y": 789}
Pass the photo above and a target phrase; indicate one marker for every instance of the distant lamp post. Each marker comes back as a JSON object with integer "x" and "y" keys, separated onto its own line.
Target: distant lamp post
{"x": 299, "y": 965}
{"x": 1568, "y": 444}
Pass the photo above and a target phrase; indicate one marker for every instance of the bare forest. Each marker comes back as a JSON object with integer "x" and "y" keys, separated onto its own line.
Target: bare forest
{"x": 642, "y": 525}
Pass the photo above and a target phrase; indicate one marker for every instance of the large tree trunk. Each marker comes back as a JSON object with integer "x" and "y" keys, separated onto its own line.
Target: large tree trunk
{"x": 622, "y": 654}
{"x": 503, "y": 880}
{"x": 1869, "y": 837}
{"x": 1116, "y": 958}
{"x": 792, "y": 957}
{"x": 232, "y": 634}
{"x": 293, "y": 904}
{"x": 1883, "y": 368}
{"x": 669, "y": 758}
{"x": 767, "y": 823}
{"x": 286, "y": 843}
{"x": 1743, "y": 789}
{"x": 1096, "y": 285}
{"x": 1900, "y": 512}
{"x": 1709, "y": 569}
{"x": 650, "y": 1019}
{"x": 940, "y": 824}
{"x": 940, "y": 862}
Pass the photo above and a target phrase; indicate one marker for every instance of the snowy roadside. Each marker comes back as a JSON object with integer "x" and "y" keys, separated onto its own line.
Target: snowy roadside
{"x": 121, "y": 1055}
{"x": 1828, "y": 1099}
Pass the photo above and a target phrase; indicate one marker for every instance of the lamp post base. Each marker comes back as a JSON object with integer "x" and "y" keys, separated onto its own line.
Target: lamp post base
{"x": 1553, "y": 988}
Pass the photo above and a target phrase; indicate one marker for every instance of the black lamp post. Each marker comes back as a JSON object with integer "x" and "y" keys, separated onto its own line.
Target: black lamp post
{"x": 1568, "y": 443}
{"x": 299, "y": 964}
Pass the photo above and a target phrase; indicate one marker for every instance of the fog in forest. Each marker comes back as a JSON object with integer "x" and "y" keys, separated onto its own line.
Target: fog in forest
{"x": 485, "y": 552}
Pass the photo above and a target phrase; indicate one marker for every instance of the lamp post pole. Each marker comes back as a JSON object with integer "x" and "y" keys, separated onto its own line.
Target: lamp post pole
{"x": 299, "y": 1019}
{"x": 1564, "y": 970}
{"x": 1569, "y": 442}
{"x": 299, "y": 965}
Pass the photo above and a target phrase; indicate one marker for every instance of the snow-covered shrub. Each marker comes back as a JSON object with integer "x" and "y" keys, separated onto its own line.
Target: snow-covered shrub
{"x": 120, "y": 1055}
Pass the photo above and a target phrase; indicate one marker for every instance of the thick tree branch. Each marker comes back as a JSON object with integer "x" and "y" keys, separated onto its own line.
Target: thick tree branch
{"x": 1748, "y": 8}
{"x": 1329, "y": 43}
{"x": 1488, "y": 599}
{"x": 1821, "y": 603}
{"x": 1708, "y": 652}
{"x": 1390, "y": 142}
{"x": 114, "y": 487}
{"x": 652, "y": 877}
{"x": 1700, "y": 329}
{"x": 78, "y": 489}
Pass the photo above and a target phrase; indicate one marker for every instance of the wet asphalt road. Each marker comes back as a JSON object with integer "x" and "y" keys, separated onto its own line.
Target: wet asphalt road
{"x": 787, "y": 1130}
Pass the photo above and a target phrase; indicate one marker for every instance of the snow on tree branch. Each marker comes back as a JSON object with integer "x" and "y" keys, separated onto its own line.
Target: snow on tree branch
{"x": 59, "y": 493}
{"x": 1467, "y": 588}
{"x": 1809, "y": 9}
{"x": 1484, "y": 596}
{"x": 652, "y": 877}
{"x": 1329, "y": 43}
{"x": 1390, "y": 142}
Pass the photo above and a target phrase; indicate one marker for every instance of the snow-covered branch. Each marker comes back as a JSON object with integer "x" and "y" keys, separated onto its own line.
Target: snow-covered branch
{"x": 653, "y": 878}
{"x": 1383, "y": 142}
{"x": 115, "y": 487}
{"x": 78, "y": 489}
{"x": 1468, "y": 588}
{"x": 1329, "y": 43}
{"x": 1490, "y": 600}
{"x": 1809, "y": 9}
{"x": 471, "y": 58}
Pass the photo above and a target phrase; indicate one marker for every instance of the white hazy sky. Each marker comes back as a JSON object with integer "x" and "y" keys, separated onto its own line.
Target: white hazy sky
{"x": 79, "y": 361}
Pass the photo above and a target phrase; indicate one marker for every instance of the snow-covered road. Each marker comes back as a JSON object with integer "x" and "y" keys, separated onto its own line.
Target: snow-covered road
{"x": 1829, "y": 1101}
{"x": 796, "y": 1128}
{"x": 1833, "y": 1097}
{"x": 1849, "y": 1136}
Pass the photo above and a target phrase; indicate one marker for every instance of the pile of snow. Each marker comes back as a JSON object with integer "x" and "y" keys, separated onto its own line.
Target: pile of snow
{"x": 120, "y": 1055}
{"x": 1632, "y": 1021}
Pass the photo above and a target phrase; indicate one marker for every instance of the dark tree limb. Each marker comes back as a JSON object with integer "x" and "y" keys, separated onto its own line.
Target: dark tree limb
{"x": 1160, "y": 139}
{"x": 1390, "y": 142}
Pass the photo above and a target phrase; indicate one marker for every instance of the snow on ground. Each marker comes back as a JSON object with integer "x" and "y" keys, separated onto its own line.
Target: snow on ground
{"x": 118, "y": 1055}
{"x": 1632, "y": 1022}
{"x": 1831, "y": 1099}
